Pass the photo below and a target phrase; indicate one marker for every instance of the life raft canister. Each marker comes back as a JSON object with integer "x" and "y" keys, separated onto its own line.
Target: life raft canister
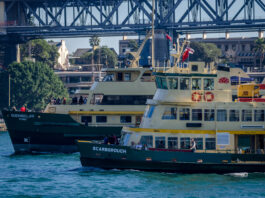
{"x": 208, "y": 96}
{"x": 196, "y": 96}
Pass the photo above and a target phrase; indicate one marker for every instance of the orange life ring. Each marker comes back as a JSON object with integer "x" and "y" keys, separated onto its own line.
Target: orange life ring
{"x": 208, "y": 96}
{"x": 196, "y": 96}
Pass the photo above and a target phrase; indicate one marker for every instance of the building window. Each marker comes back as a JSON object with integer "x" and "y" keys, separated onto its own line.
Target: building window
{"x": 86, "y": 119}
{"x": 208, "y": 114}
{"x": 127, "y": 77}
{"x": 221, "y": 115}
{"x": 184, "y": 83}
{"x": 147, "y": 140}
{"x": 173, "y": 83}
{"x": 226, "y": 48}
{"x": 243, "y": 47}
{"x": 126, "y": 119}
{"x": 172, "y": 142}
{"x": 119, "y": 76}
{"x": 196, "y": 114}
{"x": 208, "y": 84}
{"x": 199, "y": 143}
{"x": 210, "y": 143}
{"x": 86, "y": 78}
{"x": 234, "y": 115}
{"x": 196, "y": 84}
{"x": 185, "y": 143}
{"x": 184, "y": 114}
{"x": 101, "y": 119}
{"x": 259, "y": 115}
{"x": 169, "y": 114}
{"x": 74, "y": 79}
{"x": 160, "y": 142}
{"x": 246, "y": 115}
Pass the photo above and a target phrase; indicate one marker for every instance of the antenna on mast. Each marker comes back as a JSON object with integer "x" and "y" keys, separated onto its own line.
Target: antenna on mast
{"x": 153, "y": 33}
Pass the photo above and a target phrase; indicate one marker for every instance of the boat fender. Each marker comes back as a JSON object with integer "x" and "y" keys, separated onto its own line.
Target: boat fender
{"x": 208, "y": 96}
{"x": 196, "y": 96}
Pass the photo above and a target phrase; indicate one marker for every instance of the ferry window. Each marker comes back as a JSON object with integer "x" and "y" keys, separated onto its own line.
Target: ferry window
{"x": 208, "y": 84}
{"x": 246, "y": 115}
{"x": 173, "y": 83}
{"x": 196, "y": 114}
{"x": 164, "y": 83}
{"x": 160, "y": 142}
{"x": 101, "y": 119}
{"x": 125, "y": 99}
{"x": 86, "y": 119}
{"x": 119, "y": 76}
{"x": 172, "y": 142}
{"x": 234, "y": 115}
{"x": 185, "y": 143}
{"x": 208, "y": 114}
{"x": 210, "y": 143}
{"x": 74, "y": 79}
{"x": 194, "y": 68}
{"x": 259, "y": 115}
{"x": 221, "y": 115}
{"x": 169, "y": 114}
{"x": 97, "y": 99}
{"x": 196, "y": 84}
{"x": 184, "y": 83}
{"x": 109, "y": 77}
{"x": 158, "y": 82}
{"x": 126, "y": 119}
{"x": 86, "y": 78}
{"x": 184, "y": 114}
{"x": 199, "y": 143}
{"x": 148, "y": 140}
{"x": 150, "y": 111}
{"x": 127, "y": 77}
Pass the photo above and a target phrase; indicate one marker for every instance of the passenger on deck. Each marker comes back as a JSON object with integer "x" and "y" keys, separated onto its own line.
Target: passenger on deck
{"x": 81, "y": 100}
{"x": 193, "y": 145}
{"x": 106, "y": 140}
{"x": 64, "y": 100}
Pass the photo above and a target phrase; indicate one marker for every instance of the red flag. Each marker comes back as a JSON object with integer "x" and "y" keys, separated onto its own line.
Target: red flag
{"x": 168, "y": 37}
{"x": 186, "y": 53}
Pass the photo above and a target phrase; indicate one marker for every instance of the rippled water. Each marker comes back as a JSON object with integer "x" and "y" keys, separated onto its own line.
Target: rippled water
{"x": 61, "y": 175}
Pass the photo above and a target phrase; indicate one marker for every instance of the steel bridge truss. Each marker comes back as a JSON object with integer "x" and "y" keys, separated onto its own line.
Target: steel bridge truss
{"x": 50, "y": 18}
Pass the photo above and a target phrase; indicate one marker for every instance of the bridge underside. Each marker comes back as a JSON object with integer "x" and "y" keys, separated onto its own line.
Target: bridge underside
{"x": 71, "y": 18}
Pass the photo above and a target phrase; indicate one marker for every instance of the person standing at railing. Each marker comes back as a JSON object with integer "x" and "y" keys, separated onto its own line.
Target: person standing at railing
{"x": 193, "y": 145}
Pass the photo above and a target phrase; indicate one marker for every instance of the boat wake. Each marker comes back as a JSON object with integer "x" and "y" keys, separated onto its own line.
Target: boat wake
{"x": 242, "y": 175}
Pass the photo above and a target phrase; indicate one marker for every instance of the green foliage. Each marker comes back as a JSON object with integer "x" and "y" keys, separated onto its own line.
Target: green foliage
{"x": 133, "y": 45}
{"x": 102, "y": 55}
{"x": 32, "y": 84}
{"x": 207, "y": 52}
{"x": 260, "y": 49}
{"x": 94, "y": 41}
{"x": 41, "y": 51}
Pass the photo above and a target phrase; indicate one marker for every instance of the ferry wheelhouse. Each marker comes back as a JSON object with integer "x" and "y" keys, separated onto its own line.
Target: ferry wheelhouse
{"x": 192, "y": 106}
{"x": 119, "y": 100}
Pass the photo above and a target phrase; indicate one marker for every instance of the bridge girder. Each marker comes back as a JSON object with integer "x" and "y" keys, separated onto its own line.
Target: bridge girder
{"x": 67, "y": 18}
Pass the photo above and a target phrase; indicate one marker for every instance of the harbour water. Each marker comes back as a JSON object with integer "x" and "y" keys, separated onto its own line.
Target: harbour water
{"x": 61, "y": 175}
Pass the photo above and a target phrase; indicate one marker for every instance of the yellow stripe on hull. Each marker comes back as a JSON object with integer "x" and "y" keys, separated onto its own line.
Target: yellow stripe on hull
{"x": 193, "y": 131}
{"x": 106, "y": 112}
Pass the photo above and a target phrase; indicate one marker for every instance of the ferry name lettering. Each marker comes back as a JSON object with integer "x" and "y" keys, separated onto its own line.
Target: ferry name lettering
{"x": 111, "y": 150}
{"x": 22, "y": 115}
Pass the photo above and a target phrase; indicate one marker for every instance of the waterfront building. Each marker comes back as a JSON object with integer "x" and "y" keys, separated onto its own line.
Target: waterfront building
{"x": 63, "y": 61}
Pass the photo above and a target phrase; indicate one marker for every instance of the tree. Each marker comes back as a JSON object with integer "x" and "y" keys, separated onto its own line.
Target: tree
{"x": 41, "y": 51}
{"x": 94, "y": 42}
{"x": 102, "y": 55}
{"x": 32, "y": 84}
{"x": 133, "y": 45}
{"x": 207, "y": 52}
{"x": 260, "y": 49}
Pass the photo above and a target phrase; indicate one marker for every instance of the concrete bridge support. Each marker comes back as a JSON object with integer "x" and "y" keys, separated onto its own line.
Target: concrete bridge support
{"x": 2, "y": 18}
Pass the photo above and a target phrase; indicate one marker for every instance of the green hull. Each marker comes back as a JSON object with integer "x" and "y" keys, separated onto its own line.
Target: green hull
{"x": 43, "y": 132}
{"x": 121, "y": 157}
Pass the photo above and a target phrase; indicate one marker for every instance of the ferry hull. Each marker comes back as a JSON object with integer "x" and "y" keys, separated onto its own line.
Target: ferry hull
{"x": 43, "y": 132}
{"x": 164, "y": 161}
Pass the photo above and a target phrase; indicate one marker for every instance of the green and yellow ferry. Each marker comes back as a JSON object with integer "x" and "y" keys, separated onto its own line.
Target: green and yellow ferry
{"x": 192, "y": 125}
{"x": 116, "y": 101}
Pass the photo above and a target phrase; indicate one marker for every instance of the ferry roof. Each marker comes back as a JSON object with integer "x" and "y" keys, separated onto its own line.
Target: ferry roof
{"x": 184, "y": 74}
{"x": 124, "y": 69}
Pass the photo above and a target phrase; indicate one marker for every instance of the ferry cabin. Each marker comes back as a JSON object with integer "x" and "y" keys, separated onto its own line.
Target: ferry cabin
{"x": 196, "y": 103}
{"x": 118, "y": 100}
